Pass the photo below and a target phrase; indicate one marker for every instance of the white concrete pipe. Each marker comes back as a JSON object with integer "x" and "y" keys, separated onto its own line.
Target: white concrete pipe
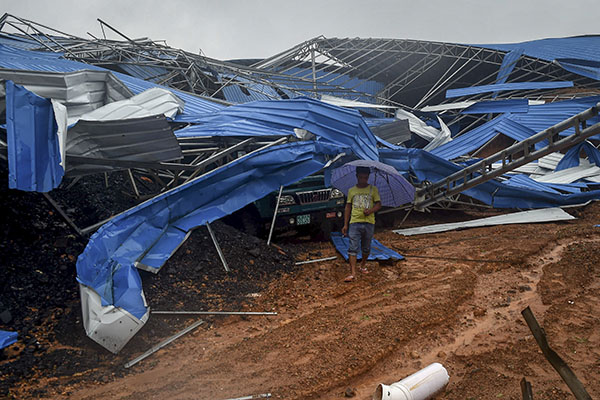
{"x": 421, "y": 385}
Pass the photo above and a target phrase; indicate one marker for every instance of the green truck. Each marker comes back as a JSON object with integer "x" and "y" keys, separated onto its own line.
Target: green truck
{"x": 306, "y": 206}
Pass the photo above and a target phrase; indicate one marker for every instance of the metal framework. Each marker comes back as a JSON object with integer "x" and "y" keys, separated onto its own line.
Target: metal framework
{"x": 392, "y": 72}
{"x": 414, "y": 72}
{"x": 159, "y": 63}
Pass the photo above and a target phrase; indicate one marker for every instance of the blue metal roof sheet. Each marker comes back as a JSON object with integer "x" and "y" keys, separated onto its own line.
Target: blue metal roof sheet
{"x": 518, "y": 126}
{"x": 145, "y": 72}
{"x": 525, "y": 181}
{"x": 279, "y": 117}
{"x": 33, "y": 146}
{"x": 580, "y": 48}
{"x": 571, "y": 157}
{"x": 467, "y": 91}
{"x": 508, "y": 64}
{"x": 498, "y": 106}
{"x": 479, "y": 136}
{"x": 7, "y": 338}
{"x": 543, "y": 116}
{"x": 378, "y": 250}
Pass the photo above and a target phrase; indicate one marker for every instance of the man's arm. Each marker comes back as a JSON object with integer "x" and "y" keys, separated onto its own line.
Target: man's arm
{"x": 374, "y": 209}
{"x": 347, "y": 213}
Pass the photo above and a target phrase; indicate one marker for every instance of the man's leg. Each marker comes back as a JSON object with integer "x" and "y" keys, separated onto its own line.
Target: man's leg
{"x": 366, "y": 238}
{"x": 354, "y": 237}
{"x": 352, "y": 259}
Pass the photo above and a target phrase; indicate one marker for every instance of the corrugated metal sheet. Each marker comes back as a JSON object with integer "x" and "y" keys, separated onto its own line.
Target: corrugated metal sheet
{"x": 517, "y": 126}
{"x": 194, "y": 105}
{"x": 528, "y": 183}
{"x": 574, "y": 49}
{"x": 33, "y": 145}
{"x": 7, "y": 338}
{"x": 579, "y": 48}
{"x": 550, "y": 161}
{"x": 571, "y": 157}
{"x": 20, "y": 43}
{"x": 155, "y": 101}
{"x": 378, "y": 250}
{"x": 327, "y": 79}
{"x": 330, "y": 123}
{"x": 239, "y": 127}
{"x": 27, "y": 60}
{"x": 479, "y": 136}
{"x": 508, "y": 64}
{"x": 148, "y": 233}
{"x": 138, "y": 139}
{"x": 468, "y": 91}
{"x": 241, "y": 90}
{"x": 590, "y": 69}
{"x": 145, "y": 72}
{"x": 528, "y": 168}
{"x": 524, "y": 217}
{"x": 80, "y": 91}
{"x": 570, "y": 175}
{"x": 448, "y": 106}
{"x": 540, "y": 117}
{"x": 395, "y": 132}
{"x": 498, "y": 106}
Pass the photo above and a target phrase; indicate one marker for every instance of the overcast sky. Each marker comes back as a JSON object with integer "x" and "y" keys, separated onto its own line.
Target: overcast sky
{"x": 256, "y": 29}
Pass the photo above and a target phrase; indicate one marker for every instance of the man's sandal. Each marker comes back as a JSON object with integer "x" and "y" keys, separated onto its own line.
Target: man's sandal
{"x": 364, "y": 270}
{"x": 349, "y": 278}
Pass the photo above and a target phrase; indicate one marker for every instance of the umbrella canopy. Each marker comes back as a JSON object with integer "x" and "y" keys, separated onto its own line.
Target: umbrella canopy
{"x": 393, "y": 189}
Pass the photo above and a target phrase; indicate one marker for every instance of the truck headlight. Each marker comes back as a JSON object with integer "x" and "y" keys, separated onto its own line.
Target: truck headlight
{"x": 336, "y": 194}
{"x": 286, "y": 200}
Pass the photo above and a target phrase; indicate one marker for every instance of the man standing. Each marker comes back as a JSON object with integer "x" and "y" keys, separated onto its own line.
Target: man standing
{"x": 359, "y": 219}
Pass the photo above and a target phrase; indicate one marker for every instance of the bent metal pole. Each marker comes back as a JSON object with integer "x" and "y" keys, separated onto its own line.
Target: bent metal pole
{"x": 274, "y": 216}
{"x": 215, "y": 312}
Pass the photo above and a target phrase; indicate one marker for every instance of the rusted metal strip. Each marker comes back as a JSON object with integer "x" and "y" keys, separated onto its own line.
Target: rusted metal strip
{"x": 553, "y": 358}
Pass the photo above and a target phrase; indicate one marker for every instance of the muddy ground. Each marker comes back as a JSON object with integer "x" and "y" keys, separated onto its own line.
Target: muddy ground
{"x": 455, "y": 299}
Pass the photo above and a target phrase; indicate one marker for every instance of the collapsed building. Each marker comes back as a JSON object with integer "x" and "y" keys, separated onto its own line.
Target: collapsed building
{"x": 503, "y": 125}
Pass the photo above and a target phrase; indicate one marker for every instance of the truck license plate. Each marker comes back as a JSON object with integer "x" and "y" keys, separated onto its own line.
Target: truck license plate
{"x": 303, "y": 219}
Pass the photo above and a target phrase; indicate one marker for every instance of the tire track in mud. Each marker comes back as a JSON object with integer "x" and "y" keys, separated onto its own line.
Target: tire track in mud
{"x": 478, "y": 329}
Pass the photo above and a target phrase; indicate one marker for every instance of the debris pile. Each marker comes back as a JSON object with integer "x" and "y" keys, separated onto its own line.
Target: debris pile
{"x": 125, "y": 154}
{"x": 40, "y": 297}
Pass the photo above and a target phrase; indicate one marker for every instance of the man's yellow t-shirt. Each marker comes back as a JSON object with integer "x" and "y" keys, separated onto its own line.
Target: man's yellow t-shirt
{"x": 361, "y": 199}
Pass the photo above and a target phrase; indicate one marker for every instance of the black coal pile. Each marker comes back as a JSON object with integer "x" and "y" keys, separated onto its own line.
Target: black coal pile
{"x": 197, "y": 264}
{"x": 94, "y": 198}
{"x": 40, "y": 297}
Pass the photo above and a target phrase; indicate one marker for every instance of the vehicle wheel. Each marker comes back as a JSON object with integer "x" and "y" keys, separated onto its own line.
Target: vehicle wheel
{"x": 252, "y": 225}
{"x": 324, "y": 233}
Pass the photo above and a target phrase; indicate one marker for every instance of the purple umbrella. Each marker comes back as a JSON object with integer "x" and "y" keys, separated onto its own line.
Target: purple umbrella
{"x": 394, "y": 190}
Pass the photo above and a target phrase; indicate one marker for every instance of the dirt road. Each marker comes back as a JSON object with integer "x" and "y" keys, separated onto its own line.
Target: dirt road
{"x": 455, "y": 299}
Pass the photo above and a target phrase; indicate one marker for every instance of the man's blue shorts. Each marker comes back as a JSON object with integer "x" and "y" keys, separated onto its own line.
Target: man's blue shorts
{"x": 360, "y": 235}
